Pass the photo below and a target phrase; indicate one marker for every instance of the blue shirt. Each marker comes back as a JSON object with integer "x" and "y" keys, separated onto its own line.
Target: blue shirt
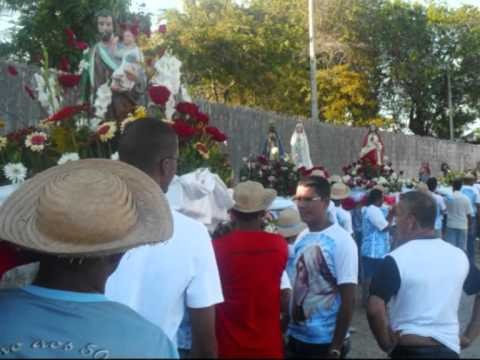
{"x": 38, "y": 322}
{"x": 470, "y": 192}
{"x": 323, "y": 260}
{"x": 375, "y": 242}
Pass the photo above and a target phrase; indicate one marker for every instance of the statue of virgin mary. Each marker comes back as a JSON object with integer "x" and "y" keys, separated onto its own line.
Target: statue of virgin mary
{"x": 300, "y": 147}
{"x": 373, "y": 148}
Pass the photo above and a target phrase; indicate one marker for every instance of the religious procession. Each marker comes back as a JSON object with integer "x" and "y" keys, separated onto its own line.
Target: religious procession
{"x": 141, "y": 218}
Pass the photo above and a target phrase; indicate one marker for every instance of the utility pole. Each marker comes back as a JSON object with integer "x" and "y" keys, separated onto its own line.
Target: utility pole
{"x": 313, "y": 59}
{"x": 450, "y": 104}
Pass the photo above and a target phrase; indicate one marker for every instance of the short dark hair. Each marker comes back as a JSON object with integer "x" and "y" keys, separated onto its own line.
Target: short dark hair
{"x": 457, "y": 184}
{"x": 319, "y": 184}
{"x": 247, "y": 217}
{"x": 422, "y": 206}
{"x": 373, "y": 196}
{"x": 104, "y": 13}
{"x": 146, "y": 141}
{"x": 432, "y": 184}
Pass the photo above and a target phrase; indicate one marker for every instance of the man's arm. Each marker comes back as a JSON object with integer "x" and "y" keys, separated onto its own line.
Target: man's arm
{"x": 378, "y": 321}
{"x": 344, "y": 316}
{"x": 204, "y": 341}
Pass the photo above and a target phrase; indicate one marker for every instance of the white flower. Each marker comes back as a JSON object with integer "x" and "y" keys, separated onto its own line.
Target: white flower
{"x": 275, "y": 151}
{"x": 346, "y": 178}
{"x": 68, "y": 157}
{"x": 15, "y": 172}
{"x": 382, "y": 181}
{"x": 244, "y": 159}
{"x": 271, "y": 178}
{"x": 102, "y": 100}
{"x": 394, "y": 176}
{"x": 354, "y": 172}
{"x": 83, "y": 66}
{"x": 115, "y": 156}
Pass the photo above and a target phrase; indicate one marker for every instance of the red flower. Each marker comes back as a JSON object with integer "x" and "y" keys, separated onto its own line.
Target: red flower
{"x": 12, "y": 70}
{"x": 64, "y": 64}
{"x": 69, "y": 80}
{"x": 162, "y": 29}
{"x": 70, "y": 37}
{"x": 183, "y": 130}
{"x": 216, "y": 134}
{"x": 30, "y": 92}
{"x": 81, "y": 45}
{"x": 187, "y": 108}
{"x": 349, "y": 204}
{"x": 159, "y": 94}
{"x": 262, "y": 160}
{"x": 67, "y": 112}
{"x": 201, "y": 117}
{"x": 18, "y": 135}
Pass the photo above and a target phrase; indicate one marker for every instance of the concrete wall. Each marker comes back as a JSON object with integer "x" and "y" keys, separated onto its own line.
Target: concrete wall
{"x": 336, "y": 146}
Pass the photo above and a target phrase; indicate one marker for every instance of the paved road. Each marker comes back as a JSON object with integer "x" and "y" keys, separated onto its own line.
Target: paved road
{"x": 364, "y": 345}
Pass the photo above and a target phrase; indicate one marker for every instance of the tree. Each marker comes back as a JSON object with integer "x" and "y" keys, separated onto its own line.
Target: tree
{"x": 251, "y": 55}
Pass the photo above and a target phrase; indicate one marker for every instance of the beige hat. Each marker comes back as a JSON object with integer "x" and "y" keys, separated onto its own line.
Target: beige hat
{"x": 469, "y": 176}
{"x": 422, "y": 187}
{"x": 86, "y": 208}
{"x": 251, "y": 196}
{"x": 339, "y": 191}
{"x": 380, "y": 188}
{"x": 289, "y": 223}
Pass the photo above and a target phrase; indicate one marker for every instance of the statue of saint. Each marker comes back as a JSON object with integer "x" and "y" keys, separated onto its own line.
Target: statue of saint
{"x": 372, "y": 147}
{"x": 105, "y": 59}
{"x": 300, "y": 148}
{"x": 272, "y": 147}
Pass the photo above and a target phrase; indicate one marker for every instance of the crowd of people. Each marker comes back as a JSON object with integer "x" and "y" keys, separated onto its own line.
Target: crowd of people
{"x": 123, "y": 275}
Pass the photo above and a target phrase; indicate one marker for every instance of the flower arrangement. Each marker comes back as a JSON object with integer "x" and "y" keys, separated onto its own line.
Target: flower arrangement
{"x": 72, "y": 131}
{"x": 279, "y": 174}
{"x": 362, "y": 174}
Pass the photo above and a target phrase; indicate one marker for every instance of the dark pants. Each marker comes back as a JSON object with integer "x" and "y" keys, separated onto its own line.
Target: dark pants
{"x": 472, "y": 235}
{"x": 299, "y": 350}
{"x": 423, "y": 352}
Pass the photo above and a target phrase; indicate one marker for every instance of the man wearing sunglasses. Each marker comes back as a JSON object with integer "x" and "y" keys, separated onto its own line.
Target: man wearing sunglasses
{"x": 325, "y": 278}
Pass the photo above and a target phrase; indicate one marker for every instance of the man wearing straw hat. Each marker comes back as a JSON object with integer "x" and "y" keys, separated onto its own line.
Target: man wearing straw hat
{"x": 80, "y": 218}
{"x": 326, "y": 274}
{"x": 161, "y": 281}
{"x": 251, "y": 263}
{"x": 340, "y": 192}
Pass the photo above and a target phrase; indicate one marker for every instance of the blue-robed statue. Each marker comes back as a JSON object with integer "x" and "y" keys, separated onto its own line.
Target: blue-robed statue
{"x": 272, "y": 147}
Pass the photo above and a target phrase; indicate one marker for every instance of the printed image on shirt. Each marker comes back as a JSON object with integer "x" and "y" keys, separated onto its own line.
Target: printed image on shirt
{"x": 314, "y": 287}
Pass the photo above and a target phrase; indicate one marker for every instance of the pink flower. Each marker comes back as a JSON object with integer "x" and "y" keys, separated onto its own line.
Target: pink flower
{"x": 12, "y": 70}
{"x": 162, "y": 29}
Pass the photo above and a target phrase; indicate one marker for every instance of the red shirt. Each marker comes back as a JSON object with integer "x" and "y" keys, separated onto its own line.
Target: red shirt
{"x": 251, "y": 266}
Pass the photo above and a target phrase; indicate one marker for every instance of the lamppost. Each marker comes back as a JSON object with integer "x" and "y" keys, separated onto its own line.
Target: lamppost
{"x": 313, "y": 59}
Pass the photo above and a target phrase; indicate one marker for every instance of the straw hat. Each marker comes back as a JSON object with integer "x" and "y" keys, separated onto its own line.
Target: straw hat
{"x": 86, "y": 208}
{"x": 422, "y": 187}
{"x": 339, "y": 191}
{"x": 251, "y": 196}
{"x": 289, "y": 223}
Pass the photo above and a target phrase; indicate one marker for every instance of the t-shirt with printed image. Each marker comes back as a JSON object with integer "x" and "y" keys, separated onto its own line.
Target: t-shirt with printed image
{"x": 323, "y": 261}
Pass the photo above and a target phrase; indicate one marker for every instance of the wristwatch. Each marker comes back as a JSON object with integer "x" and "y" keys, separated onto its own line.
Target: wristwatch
{"x": 335, "y": 353}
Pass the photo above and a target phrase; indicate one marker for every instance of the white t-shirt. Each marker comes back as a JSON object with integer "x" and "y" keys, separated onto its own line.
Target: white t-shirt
{"x": 332, "y": 212}
{"x": 344, "y": 219}
{"x": 159, "y": 280}
{"x": 432, "y": 273}
{"x": 458, "y": 208}
{"x": 376, "y": 217}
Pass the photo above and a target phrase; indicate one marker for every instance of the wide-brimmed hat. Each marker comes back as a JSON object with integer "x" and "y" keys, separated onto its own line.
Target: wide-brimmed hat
{"x": 339, "y": 191}
{"x": 289, "y": 223}
{"x": 86, "y": 208}
{"x": 469, "y": 176}
{"x": 251, "y": 196}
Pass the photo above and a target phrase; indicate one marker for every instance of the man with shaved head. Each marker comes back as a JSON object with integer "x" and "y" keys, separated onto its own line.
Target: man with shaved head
{"x": 421, "y": 281}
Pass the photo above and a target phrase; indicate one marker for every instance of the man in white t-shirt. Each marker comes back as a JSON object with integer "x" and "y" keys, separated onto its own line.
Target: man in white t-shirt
{"x": 441, "y": 206}
{"x": 158, "y": 281}
{"x": 421, "y": 281}
{"x": 325, "y": 278}
{"x": 473, "y": 195}
{"x": 459, "y": 216}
